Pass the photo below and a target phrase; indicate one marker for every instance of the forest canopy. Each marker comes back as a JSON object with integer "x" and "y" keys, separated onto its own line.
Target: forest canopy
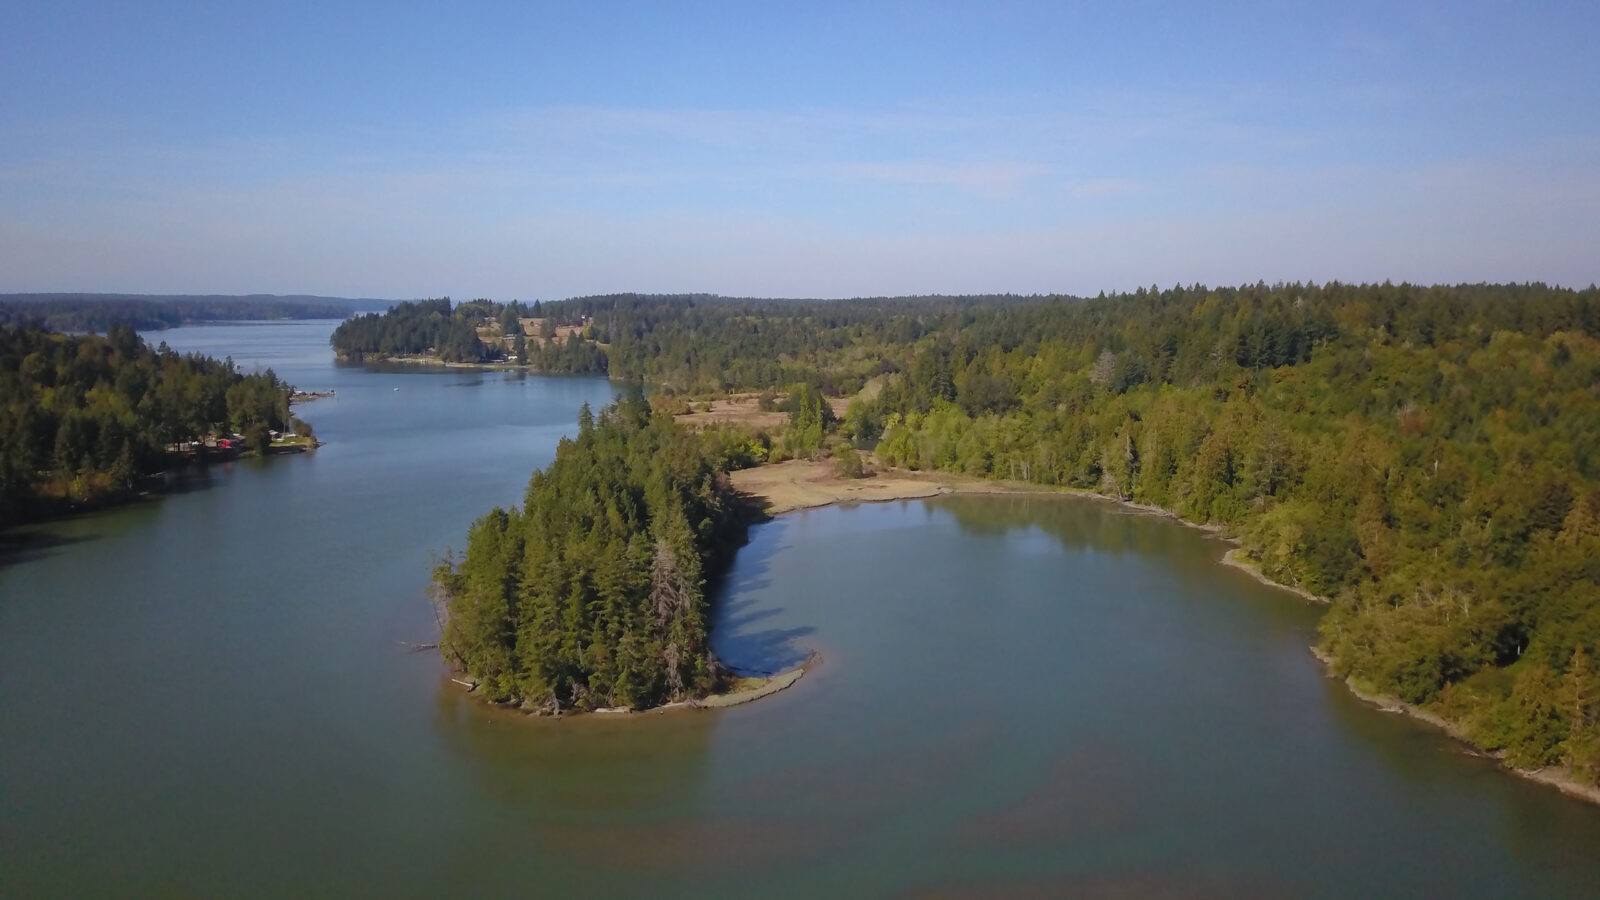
{"x": 83, "y": 418}
{"x": 413, "y": 328}
{"x": 1428, "y": 458}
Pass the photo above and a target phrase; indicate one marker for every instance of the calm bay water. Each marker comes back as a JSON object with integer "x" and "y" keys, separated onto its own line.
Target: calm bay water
{"x": 212, "y": 694}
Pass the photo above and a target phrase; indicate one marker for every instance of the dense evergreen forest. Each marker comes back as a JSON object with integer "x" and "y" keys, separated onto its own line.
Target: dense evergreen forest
{"x": 593, "y": 593}
{"x": 83, "y": 419}
{"x": 1424, "y": 457}
{"x": 149, "y": 312}
{"x": 1428, "y": 458}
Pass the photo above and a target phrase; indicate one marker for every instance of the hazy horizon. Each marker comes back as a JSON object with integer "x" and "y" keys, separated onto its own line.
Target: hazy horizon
{"x": 301, "y": 295}
{"x": 835, "y": 150}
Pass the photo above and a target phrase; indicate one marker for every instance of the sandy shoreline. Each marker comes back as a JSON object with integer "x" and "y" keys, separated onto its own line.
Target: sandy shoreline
{"x": 746, "y": 689}
{"x": 751, "y": 689}
{"x": 1237, "y": 560}
{"x": 798, "y": 484}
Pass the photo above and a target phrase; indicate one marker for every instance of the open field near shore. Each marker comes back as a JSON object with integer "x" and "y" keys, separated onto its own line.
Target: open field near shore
{"x": 803, "y": 484}
{"x": 745, "y": 410}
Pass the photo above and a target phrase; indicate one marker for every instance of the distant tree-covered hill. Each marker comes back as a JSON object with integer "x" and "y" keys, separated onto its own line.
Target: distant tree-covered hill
{"x": 151, "y": 312}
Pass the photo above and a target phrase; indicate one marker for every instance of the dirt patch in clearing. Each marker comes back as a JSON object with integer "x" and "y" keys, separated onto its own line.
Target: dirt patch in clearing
{"x": 803, "y": 484}
{"x": 745, "y": 410}
{"x": 740, "y": 409}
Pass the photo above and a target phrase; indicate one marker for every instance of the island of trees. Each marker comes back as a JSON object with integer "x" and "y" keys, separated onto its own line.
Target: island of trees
{"x": 592, "y": 595}
{"x": 1426, "y": 458}
{"x": 87, "y": 420}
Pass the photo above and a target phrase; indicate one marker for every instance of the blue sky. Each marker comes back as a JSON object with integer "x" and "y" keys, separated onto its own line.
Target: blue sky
{"x": 546, "y": 150}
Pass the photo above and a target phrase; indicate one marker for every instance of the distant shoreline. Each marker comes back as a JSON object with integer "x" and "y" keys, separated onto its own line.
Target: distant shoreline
{"x": 432, "y": 361}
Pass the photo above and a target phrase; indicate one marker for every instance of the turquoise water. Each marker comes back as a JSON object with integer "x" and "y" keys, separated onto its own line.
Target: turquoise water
{"x": 214, "y": 694}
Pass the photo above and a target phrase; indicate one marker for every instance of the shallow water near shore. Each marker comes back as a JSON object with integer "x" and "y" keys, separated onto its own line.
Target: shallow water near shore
{"x": 212, "y": 694}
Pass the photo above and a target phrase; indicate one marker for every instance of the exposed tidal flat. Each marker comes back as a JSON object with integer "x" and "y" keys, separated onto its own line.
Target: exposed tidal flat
{"x": 212, "y": 694}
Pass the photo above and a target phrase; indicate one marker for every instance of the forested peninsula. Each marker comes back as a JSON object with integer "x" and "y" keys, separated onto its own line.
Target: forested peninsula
{"x": 478, "y": 332}
{"x": 1424, "y": 458}
{"x": 88, "y": 420}
{"x": 592, "y": 595}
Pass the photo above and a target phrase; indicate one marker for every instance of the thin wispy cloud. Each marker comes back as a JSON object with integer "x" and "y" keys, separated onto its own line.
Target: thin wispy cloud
{"x": 994, "y": 179}
{"x": 1108, "y": 187}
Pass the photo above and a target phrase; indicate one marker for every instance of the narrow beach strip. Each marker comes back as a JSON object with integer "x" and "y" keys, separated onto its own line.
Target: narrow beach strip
{"x": 752, "y": 689}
